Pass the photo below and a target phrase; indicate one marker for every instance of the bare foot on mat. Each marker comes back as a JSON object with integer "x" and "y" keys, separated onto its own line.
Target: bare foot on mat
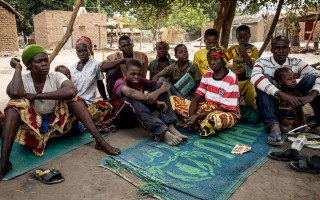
{"x": 4, "y": 168}
{"x": 106, "y": 147}
{"x": 175, "y": 132}
{"x": 171, "y": 139}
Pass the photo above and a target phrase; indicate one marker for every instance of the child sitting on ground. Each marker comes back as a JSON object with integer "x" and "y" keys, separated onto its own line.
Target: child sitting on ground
{"x": 174, "y": 72}
{"x": 64, "y": 70}
{"x": 133, "y": 107}
{"x": 289, "y": 117}
{"x": 244, "y": 55}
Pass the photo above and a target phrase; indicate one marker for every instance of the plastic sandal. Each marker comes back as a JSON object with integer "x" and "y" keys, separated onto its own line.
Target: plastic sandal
{"x": 50, "y": 176}
{"x": 311, "y": 166}
{"x": 287, "y": 155}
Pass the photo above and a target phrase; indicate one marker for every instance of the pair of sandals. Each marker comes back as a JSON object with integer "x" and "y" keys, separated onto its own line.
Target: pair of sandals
{"x": 301, "y": 163}
{"x": 50, "y": 176}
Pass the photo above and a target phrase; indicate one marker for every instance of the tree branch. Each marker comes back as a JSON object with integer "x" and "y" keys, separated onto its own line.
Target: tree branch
{"x": 272, "y": 28}
{"x": 68, "y": 32}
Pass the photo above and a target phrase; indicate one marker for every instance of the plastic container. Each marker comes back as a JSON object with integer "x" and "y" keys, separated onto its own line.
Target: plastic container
{"x": 299, "y": 143}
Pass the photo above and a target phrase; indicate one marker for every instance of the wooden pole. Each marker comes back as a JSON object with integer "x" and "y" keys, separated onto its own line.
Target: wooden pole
{"x": 140, "y": 38}
{"x": 68, "y": 32}
{"x": 313, "y": 28}
{"x": 272, "y": 28}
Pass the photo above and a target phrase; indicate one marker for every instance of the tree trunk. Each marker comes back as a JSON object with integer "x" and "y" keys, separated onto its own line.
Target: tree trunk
{"x": 272, "y": 28}
{"x": 224, "y": 19}
{"x": 222, "y": 14}
{"x": 226, "y": 29}
{"x": 68, "y": 32}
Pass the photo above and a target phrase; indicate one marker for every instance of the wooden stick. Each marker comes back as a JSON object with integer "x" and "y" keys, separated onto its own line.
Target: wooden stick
{"x": 313, "y": 28}
{"x": 68, "y": 32}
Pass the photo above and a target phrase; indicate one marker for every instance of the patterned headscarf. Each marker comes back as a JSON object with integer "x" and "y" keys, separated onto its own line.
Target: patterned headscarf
{"x": 218, "y": 51}
{"x": 31, "y": 51}
{"x": 87, "y": 41}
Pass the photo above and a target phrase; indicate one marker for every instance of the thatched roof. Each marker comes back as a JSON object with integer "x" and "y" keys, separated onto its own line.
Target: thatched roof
{"x": 247, "y": 19}
{"x": 10, "y": 9}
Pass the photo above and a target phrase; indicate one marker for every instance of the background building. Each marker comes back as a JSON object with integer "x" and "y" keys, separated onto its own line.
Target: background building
{"x": 8, "y": 28}
{"x": 50, "y": 26}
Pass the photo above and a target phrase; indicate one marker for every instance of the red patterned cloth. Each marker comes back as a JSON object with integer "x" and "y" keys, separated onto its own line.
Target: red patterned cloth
{"x": 29, "y": 133}
{"x": 215, "y": 120}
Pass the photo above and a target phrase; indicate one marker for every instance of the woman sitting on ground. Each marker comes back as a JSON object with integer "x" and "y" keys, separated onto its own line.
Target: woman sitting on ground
{"x": 215, "y": 104}
{"x": 86, "y": 76}
{"x": 43, "y": 105}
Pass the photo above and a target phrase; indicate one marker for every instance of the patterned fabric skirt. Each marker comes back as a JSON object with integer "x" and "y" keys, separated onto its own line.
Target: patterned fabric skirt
{"x": 35, "y": 130}
{"x": 215, "y": 120}
{"x": 101, "y": 113}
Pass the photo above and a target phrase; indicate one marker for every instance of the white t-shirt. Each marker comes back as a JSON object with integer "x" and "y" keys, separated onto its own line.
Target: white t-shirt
{"x": 86, "y": 80}
{"x": 53, "y": 82}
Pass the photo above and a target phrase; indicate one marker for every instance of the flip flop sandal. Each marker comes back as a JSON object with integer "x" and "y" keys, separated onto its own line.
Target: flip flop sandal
{"x": 311, "y": 166}
{"x": 277, "y": 137}
{"x": 50, "y": 176}
{"x": 287, "y": 155}
{"x": 313, "y": 146}
{"x": 308, "y": 142}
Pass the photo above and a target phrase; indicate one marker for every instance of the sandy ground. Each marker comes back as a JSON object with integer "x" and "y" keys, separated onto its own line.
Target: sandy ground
{"x": 84, "y": 180}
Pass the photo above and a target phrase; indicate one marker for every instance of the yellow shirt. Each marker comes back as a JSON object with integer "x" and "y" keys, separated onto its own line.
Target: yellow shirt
{"x": 239, "y": 64}
{"x": 200, "y": 59}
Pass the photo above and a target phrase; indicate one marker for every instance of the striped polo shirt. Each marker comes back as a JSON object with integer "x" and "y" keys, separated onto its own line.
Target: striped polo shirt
{"x": 268, "y": 66}
{"x": 223, "y": 92}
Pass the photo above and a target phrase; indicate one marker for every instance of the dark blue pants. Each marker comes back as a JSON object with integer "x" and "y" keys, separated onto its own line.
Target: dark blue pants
{"x": 133, "y": 113}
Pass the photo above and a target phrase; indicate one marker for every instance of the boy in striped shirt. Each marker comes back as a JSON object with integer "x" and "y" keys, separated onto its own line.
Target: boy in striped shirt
{"x": 263, "y": 79}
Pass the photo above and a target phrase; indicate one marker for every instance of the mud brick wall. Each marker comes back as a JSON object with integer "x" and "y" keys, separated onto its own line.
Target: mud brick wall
{"x": 8, "y": 31}
{"x": 48, "y": 26}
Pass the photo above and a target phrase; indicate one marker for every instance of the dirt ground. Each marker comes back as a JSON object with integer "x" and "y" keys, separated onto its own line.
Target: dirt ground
{"x": 84, "y": 180}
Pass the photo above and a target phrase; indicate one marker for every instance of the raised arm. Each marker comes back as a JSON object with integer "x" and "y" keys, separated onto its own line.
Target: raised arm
{"x": 15, "y": 88}
{"x": 105, "y": 65}
{"x": 245, "y": 55}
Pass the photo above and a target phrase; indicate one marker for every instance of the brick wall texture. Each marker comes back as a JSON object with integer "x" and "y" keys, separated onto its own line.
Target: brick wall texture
{"x": 8, "y": 31}
{"x": 48, "y": 26}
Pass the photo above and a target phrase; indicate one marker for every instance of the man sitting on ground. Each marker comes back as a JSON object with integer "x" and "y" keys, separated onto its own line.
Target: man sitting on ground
{"x": 267, "y": 92}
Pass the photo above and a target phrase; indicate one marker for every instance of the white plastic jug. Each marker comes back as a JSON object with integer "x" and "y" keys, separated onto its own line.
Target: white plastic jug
{"x": 299, "y": 143}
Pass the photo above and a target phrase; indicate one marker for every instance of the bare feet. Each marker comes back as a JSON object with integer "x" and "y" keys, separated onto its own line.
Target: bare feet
{"x": 171, "y": 139}
{"x": 106, "y": 147}
{"x": 175, "y": 132}
{"x": 4, "y": 168}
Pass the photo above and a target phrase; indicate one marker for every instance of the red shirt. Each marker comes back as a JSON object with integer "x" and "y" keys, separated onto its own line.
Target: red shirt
{"x": 144, "y": 85}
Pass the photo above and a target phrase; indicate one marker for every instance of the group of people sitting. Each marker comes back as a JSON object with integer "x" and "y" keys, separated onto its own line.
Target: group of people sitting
{"x": 205, "y": 93}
